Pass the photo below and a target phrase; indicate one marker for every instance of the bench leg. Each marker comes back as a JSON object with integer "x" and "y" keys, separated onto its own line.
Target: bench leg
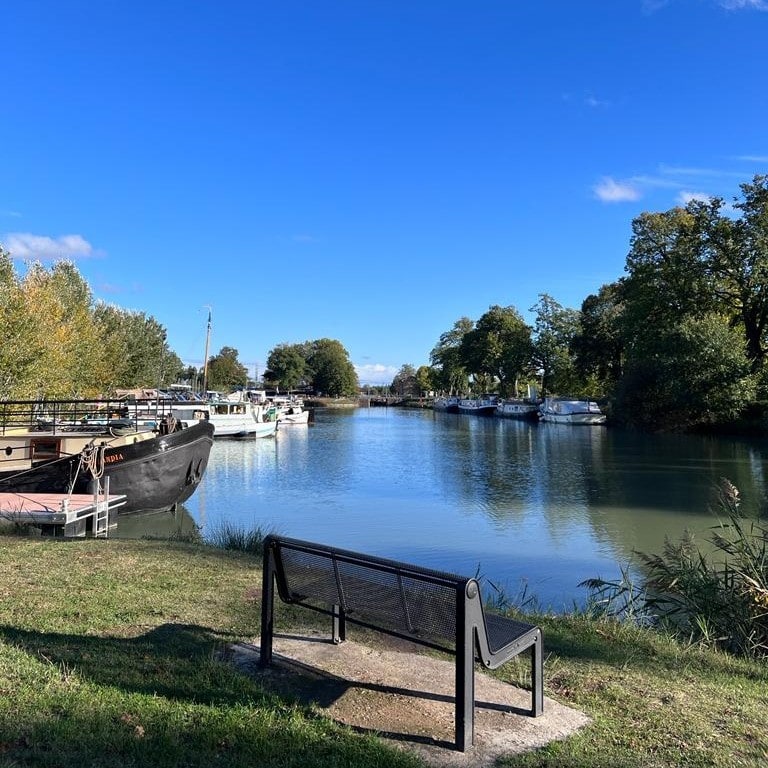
{"x": 537, "y": 676}
{"x": 465, "y": 691}
{"x": 267, "y": 609}
{"x": 339, "y": 625}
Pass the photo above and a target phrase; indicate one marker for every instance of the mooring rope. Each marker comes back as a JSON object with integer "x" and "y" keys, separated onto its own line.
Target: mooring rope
{"x": 92, "y": 458}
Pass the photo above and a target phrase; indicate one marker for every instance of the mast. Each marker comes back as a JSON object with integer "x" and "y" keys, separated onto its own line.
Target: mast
{"x": 207, "y": 342}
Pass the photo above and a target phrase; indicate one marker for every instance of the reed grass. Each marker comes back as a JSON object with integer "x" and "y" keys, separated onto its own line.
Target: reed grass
{"x": 234, "y": 537}
{"x": 717, "y": 597}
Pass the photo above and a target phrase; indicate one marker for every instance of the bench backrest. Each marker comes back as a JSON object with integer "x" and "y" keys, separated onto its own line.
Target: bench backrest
{"x": 404, "y": 600}
{"x": 418, "y": 603}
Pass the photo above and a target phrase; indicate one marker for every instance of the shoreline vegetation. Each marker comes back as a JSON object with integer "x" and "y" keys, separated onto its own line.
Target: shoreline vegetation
{"x": 111, "y": 653}
{"x": 752, "y": 423}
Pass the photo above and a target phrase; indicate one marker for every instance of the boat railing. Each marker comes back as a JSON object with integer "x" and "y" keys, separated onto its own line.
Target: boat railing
{"x": 58, "y": 416}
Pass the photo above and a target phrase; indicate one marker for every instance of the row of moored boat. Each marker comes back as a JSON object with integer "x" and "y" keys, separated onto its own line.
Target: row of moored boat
{"x": 552, "y": 409}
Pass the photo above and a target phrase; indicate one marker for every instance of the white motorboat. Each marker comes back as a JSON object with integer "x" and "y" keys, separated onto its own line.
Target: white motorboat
{"x": 290, "y": 410}
{"x": 563, "y": 411}
{"x": 230, "y": 417}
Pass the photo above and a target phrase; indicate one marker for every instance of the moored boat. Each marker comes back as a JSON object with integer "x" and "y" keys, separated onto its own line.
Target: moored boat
{"x": 446, "y": 403}
{"x": 231, "y": 417}
{"x": 290, "y": 409}
{"x": 517, "y": 409}
{"x": 63, "y": 451}
{"x": 479, "y": 406}
{"x": 564, "y": 411}
{"x": 266, "y": 428}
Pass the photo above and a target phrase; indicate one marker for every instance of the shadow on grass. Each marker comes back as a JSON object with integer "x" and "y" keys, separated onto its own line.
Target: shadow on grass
{"x": 170, "y": 660}
{"x": 160, "y": 699}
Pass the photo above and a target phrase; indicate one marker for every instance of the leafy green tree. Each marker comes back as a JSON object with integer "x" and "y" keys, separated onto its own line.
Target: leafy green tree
{"x": 554, "y": 331}
{"x": 498, "y": 348}
{"x": 598, "y": 346}
{"x": 449, "y": 373}
{"x": 63, "y": 350}
{"x": 287, "y": 365}
{"x": 136, "y": 350}
{"x": 405, "y": 382}
{"x": 17, "y": 353}
{"x": 56, "y": 343}
{"x": 83, "y": 348}
{"x": 697, "y": 372}
{"x": 667, "y": 275}
{"x": 425, "y": 379}
{"x": 225, "y": 371}
{"x": 699, "y": 259}
{"x": 171, "y": 368}
{"x": 331, "y": 370}
{"x": 685, "y": 266}
{"x": 737, "y": 260}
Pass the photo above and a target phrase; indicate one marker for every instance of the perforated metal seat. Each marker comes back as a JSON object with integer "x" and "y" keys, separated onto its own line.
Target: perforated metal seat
{"x": 436, "y": 609}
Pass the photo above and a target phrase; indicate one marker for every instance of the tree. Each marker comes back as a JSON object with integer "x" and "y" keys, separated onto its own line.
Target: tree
{"x": 56, "y": 343}
{"x": 498, "y": 348}
{"x": 598, "y": 346}
{"x": 667, "y": 276}
{"x": 63, "y": 353}
{"x": 137, "y": 352}
{"x": 425, "y": 379}
{"x": 405, "y": 383}
{"x": 331, "y": 370}
{"x": 449, "y": 372}
{"x": 17, "y": 353}
{"x": 737, "y": 258}
{"x": 225, "y": 371}
{"x": 695, "y": 260}
{"x": 287, "y": 365}
{"x": 684, "y": 267}
{"x": 696, "y": 372}
{"x": 554, "y": 330}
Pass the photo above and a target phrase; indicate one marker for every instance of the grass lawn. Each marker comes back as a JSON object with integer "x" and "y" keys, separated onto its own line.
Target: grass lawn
{"x": 108, "y": 656}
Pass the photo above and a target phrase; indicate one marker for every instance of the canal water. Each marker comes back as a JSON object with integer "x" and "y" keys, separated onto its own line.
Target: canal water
{"x": 533, "y": 508}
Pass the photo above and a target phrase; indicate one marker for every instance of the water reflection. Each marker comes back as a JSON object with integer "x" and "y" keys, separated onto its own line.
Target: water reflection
{"x": 545, "y": 504}
{"x": 158, "y": 525}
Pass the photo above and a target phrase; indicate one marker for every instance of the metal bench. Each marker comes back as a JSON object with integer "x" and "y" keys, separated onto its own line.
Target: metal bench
{"x": 434, "y": 609}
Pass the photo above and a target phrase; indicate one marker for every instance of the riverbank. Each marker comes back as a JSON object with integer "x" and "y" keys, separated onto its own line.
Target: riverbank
{"x": 110, "y": 655}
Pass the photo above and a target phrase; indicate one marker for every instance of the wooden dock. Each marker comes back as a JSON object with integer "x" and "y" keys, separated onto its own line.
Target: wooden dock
{"x": 62, "y": 514}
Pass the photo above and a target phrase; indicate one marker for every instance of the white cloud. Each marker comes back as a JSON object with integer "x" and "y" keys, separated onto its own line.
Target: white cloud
{"x": 588, "y": 99}
{"x": 376, "y": 373}
{"x": 712, "y": 173}
{"x": 23, "y": 245}
{"x": 739, "y": 5}
{"x": 611, "y": 191}
{"x": 593, "y": 101}
{"x": 651, "y": 6}
{"x": 673, "y": 177}
{"x": 655, "y": 181}
{"x": 686, "y": 197}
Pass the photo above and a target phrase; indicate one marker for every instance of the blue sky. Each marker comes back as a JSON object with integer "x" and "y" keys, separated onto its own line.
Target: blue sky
{"x": 364, "y": 171}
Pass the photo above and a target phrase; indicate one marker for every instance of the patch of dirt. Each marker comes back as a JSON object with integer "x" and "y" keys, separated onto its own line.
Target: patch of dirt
{"x": 406, "y": 697}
